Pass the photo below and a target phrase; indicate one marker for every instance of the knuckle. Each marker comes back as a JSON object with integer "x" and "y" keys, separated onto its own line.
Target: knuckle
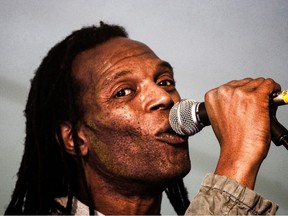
{"x": 260, "y": 79}
{"x": 270, "y": 81}
{"x": 225, "y": 90}
{"x": 210, "y": 94}
{"x": 248, "y": 79}
{"x": 240, "y": 93}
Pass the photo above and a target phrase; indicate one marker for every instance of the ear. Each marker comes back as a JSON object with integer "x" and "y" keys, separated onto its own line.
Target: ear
{"x": 66, "y": 133}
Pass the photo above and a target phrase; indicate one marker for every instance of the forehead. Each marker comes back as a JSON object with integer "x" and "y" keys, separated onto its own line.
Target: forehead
{"x": 106, "y": 55}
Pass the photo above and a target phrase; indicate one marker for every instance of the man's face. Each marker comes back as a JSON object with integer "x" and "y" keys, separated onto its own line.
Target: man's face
{"x": 129, "y": 93}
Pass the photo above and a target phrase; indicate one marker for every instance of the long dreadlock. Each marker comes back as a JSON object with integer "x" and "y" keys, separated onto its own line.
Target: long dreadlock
{"x": 45, "y": 169}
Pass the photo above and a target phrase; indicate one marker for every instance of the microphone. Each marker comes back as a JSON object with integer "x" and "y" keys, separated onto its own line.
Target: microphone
{"x": 188, "y": 117}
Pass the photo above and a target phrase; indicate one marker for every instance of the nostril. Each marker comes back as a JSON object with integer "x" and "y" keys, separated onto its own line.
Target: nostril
{"x": 160, "y": 106}
{"x": 171, "y": 104}
{"x": 165, "y": 105}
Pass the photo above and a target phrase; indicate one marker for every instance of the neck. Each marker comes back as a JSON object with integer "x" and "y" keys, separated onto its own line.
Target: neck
{"x": 120, "y": 205}
{"x": 115, "y": 198}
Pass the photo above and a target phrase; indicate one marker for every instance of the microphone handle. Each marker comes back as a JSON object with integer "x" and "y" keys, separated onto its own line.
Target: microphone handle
{"x": 201, "y": 114}
{"x": 279, "y": 98}
{"x": 279, "y": 134}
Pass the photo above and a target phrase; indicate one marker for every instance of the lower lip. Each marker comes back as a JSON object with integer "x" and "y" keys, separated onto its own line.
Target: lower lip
{"x": 172, "y": 139}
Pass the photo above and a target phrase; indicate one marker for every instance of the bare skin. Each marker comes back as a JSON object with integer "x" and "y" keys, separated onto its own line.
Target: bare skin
{"x": 130, "y": 153}
{"x": 244, "y": 132}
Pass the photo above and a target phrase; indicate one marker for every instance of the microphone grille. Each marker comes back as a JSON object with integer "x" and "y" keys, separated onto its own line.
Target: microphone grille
{"x": 183, "y": 119}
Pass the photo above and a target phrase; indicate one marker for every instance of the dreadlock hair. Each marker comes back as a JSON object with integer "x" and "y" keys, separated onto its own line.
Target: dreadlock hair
{"x": 45, "y": 170}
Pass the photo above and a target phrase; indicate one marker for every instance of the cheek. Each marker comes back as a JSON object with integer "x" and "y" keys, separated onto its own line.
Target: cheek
{"x": 176, "y": 97}
{"x": 113, "y": 139}
{"x": 118, "y": 154}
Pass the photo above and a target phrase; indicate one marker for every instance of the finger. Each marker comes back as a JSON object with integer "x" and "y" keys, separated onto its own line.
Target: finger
{"x": 253, "y": 84}
{"x": 227, "y": 87}
{"x": 268, "y": 86}
{"x": 261, "y": 85}
{"x": 260, "y": 88}
{"x": 237, "y": 83}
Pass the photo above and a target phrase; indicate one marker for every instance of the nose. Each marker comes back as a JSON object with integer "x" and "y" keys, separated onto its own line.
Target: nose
{"x": 157, "y": 98}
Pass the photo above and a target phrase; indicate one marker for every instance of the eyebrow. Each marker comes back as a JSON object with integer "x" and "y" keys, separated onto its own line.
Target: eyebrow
{"x": 166, "y": 65}
{"x": 116, "y": 76}
{"x": 162, "y": 64}
{"x": 162, "y": 67}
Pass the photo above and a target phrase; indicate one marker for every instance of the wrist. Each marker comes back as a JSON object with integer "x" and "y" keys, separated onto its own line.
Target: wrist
{"x": 244, "y": 171}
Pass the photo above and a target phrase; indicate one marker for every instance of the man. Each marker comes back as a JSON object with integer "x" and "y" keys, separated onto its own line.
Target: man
{"x": 98, "y": 138}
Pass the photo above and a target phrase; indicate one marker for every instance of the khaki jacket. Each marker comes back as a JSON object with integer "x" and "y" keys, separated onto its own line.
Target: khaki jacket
{"x": 220, "y": 195}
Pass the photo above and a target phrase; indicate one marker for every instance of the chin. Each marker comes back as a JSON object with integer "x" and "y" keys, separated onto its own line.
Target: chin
{"x": 183, "y": 172}
{"x": 170, "y": 176}
{"x": 170, "y": 180}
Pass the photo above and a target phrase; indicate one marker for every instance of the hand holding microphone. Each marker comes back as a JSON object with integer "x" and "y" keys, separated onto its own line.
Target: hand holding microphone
{"x": 240, "y": 117}
{"x": 188, "y": 117}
